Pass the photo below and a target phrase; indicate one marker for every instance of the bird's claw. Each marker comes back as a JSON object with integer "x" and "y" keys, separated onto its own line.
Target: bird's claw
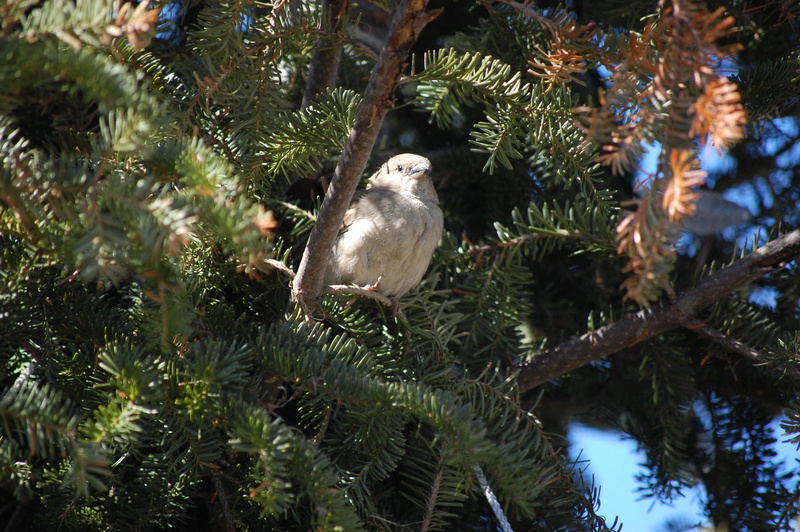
{"x": 374, "y": 287}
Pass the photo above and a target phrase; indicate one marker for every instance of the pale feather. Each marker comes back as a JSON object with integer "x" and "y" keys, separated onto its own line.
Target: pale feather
{"x": 392, "y": 230}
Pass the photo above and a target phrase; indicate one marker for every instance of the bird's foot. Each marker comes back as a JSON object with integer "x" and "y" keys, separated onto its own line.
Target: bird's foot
{"x": 374, "y": 287}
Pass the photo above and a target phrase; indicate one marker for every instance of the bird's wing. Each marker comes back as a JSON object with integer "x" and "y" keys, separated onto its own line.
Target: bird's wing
{"x": 350, "y": 214}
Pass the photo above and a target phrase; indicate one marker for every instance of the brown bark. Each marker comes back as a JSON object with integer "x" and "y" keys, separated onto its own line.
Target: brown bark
{"x": 407, "y": 24}
{"x": 635, "y": 327}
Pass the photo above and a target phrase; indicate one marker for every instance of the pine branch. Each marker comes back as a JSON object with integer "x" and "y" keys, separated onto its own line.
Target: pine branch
{"x": 735, "y": 346}
{"x": 324, "y": 66}
{"x": 408, "y": 22}
{"x": 524, "y": 239}
{"x": 633, "y": 328}
{"x": 434, "y": 495}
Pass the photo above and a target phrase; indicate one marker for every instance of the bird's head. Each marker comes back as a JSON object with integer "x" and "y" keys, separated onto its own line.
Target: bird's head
{"x": 407, "y": 172}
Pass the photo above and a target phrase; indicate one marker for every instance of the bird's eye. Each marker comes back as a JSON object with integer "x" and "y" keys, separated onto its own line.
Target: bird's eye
{"x": 399, "y": 168}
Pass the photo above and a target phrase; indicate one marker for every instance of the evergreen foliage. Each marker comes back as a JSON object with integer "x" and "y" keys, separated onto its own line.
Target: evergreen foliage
{"x": 155, "y": 158}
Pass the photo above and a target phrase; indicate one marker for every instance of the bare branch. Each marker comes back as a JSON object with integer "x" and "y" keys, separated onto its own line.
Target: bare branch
{"x": 408, "y": 22}
{"x": 293, "y": 208}
{"x": 725, "y": 341}
{"x": 633, "y": 328}
{"x": 278, "y": 265}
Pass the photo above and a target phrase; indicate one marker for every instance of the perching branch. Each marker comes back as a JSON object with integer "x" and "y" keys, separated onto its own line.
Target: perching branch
{"x": 633, "y": 328}
{"x": 407, "y": 24}
{"x": 367, "y": 292}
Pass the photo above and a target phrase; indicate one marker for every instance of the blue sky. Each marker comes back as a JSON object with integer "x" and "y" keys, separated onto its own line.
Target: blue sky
{"x": 614, "y": 461}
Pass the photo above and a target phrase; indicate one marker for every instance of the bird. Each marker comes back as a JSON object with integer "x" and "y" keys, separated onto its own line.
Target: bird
{"x": 390, "y": 230}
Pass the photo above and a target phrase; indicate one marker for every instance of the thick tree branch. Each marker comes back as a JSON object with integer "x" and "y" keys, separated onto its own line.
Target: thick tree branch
{"x": 633, "y": 328}
{"x": 408, "y": 22}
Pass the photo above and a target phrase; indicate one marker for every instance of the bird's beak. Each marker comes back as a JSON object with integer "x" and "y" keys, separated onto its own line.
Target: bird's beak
{"x": 421, "y": 170}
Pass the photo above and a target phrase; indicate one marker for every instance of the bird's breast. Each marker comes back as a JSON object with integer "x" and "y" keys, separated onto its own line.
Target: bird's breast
{"x": 392, "y": 236}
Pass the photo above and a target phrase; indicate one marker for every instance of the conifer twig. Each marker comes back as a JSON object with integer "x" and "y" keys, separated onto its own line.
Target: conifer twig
{"x": 635, "y": 327}
{"x": 408, "y": 21}
{"x": 324, "y": 66}
{"x": 436, "y": 485}
{"x": 523, "y": 239}
{"x": 732, "y": 344}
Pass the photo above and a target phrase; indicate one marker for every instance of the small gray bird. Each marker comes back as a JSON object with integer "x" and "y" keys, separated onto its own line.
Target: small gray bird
{"x": 390, "y": 230}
